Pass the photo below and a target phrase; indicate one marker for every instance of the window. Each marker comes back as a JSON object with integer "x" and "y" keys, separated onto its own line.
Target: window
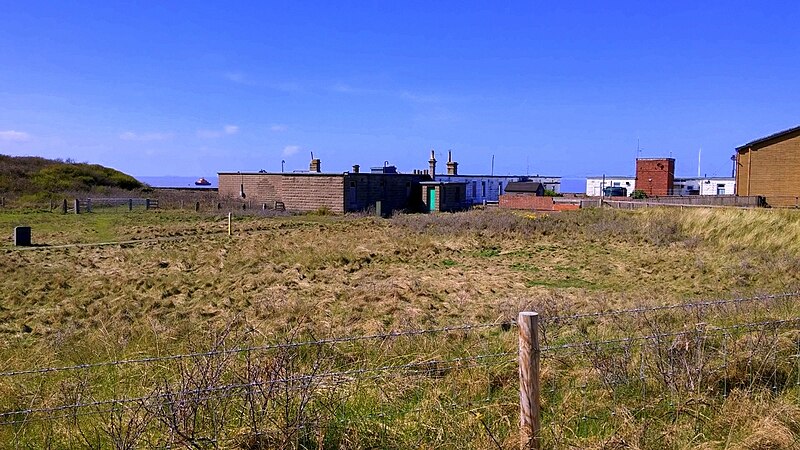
{"x": 720, "y": 189}
{"x": 617, "y": 183}
{"x": 483, "y": 186}
{"x": 474, "y": 189}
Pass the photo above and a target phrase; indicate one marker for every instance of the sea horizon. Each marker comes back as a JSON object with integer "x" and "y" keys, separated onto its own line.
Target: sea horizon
{"x": 166, "y": 181}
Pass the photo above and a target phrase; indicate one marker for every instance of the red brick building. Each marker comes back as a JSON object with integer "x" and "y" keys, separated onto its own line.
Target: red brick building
{"x": 655, "y": 176}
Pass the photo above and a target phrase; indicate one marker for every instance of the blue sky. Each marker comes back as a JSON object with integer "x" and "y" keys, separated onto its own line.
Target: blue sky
{"x": 558, "y": 88}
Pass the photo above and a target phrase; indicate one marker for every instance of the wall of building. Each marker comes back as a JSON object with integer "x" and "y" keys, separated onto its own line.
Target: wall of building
{"x": 488, "y": 188}
{"x": 655, "y": 176}
{"x": 595, "y": 185}
{"x": 704, "y": 186}
{"x": 297, "y": 191}
{"x": 772, "y": 171}
{"x": 449, "y": 197}
{"x": 395, "y": 191}
{"x": 453, "y": 197}
{"x": 526, "y": 201}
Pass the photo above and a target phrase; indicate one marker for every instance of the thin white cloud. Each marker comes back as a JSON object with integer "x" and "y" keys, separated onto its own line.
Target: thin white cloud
{"x": 278, "y": 127}
{"x": 413, "y": 97}
{"x": 227, "y": 130}
{"x": 289, "y": 87}
{"x": 14, "y": 136}
{"x": 290, "y": 150}
{"x": 131, "y": 136}
{"x": 236, "y": 77}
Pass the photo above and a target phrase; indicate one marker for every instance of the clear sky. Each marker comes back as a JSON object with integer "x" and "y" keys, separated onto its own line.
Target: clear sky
{"x": 557, "y": 88}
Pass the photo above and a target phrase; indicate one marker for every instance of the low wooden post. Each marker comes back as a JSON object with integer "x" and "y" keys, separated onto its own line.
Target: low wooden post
{"x": 197, "y": 207}
{"x": 77, "y": 206}
{"x": 130, "y": 204}
{"x": 529, "y": 390}
{"x": 229, "y": 223}
{"x": 88, "y": 205}
{"x": 147, "y": 204}
{"x": 64, "y": 207}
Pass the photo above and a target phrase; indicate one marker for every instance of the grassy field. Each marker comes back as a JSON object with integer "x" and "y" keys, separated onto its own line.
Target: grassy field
{"x": 189, "y": 287}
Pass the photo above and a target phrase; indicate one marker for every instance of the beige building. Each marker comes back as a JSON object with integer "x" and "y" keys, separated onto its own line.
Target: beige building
{"x": 770, "y": 167}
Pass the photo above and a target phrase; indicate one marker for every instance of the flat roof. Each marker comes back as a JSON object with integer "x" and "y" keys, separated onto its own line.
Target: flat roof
{"x": 302, "y": 173}
{"x": 498, "y": 176}
{"x": 442, "y": 182}
{"x": 705, "y": 178}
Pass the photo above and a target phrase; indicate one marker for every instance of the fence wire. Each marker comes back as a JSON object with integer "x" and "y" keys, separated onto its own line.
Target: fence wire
{"x": 609, "y": 361}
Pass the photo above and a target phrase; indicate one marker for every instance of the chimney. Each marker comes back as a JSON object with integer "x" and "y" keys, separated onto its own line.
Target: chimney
{"x": 432, "y": 165}
{"x": 356, "y": 168}
{"x": 452, "y": 167}
{"x": 315, "y": 165}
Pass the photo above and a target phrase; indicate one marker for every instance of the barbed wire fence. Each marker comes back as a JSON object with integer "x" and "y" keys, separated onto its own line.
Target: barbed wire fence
{"x": 446, "y": 384}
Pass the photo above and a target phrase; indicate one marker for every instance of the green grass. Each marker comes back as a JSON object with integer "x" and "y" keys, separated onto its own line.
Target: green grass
{"x": 305, "y": 277}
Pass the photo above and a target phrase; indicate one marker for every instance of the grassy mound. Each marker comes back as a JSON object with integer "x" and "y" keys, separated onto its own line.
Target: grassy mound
{"x": 34, "y": 178}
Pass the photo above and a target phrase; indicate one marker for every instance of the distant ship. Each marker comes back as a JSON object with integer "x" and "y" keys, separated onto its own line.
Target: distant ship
{"x": 202, "y": 182}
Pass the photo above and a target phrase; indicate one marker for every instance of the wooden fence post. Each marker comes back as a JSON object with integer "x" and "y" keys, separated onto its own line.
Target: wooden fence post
{"x": 529, "y": 390}
{"x": 88, "y": 205}
{"x": 130, "y": 204}
{"x": 229, "y": 223}
{"x": 64, "y": 207}
{"x": 77, "y": 206}
{"x": 197, "y": 207}
{"x": 147, "y": 204}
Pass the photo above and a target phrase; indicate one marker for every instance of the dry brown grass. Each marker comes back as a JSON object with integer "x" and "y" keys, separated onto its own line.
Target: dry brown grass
{"x": 351, "y": 276}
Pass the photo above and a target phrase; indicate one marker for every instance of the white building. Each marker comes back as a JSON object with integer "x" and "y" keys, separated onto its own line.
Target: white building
{"x": 704, "y": 186}
{"x": 484, "y": 188}
{"x": 489, "y": 188}
{"x": 681, "y": 186}
{"x": 595, "y": 185}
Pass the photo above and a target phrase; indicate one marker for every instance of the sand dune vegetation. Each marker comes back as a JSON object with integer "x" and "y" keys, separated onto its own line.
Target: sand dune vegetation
{"x": 114, "y": 317}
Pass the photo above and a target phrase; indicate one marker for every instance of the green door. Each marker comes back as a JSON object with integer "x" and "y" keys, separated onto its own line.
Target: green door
{"x": 432, "y": 198}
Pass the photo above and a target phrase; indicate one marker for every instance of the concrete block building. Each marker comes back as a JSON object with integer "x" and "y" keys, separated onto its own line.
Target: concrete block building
{"x": 420, "y": 190}
{"x": 770, "y": 167}
{"x": 309, "y": 191}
